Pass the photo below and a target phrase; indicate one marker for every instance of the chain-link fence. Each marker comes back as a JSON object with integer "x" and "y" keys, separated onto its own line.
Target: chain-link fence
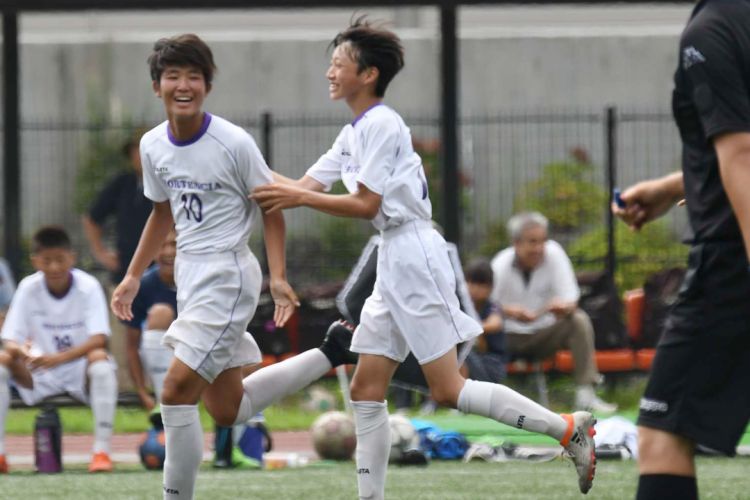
{"x": 556, "y": 163}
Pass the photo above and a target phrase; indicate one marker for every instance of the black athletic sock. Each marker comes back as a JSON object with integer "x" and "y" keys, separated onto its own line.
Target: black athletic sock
{"x": 660, "y": 486}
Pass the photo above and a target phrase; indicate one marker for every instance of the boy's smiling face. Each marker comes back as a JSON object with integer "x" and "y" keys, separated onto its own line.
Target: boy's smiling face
{"x": 183, "y": 90}
{"x": 345, "y": 81}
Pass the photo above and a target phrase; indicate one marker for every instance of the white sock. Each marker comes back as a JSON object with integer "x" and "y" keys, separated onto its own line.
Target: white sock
{"x": 271, "y": 383}
{"x": 156, "y": 359}
{"x": 505, "y": 405}
{"x": 184, "y": 437}
{"x": 4, "y": 404}
{"x": 237, "y": 431}
{"x": 103, "y": 396}
{"x": 373, "y": 447}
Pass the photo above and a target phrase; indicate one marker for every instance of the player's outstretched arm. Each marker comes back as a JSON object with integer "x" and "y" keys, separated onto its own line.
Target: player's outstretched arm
{"x": 733, "y": 150}
{"x": 649, "y": 200}
{"x": 363, "y": 204}
{"x": 158, "y": 225}
{"x": 304, "y": 182}
{"x": 284, "y": 298}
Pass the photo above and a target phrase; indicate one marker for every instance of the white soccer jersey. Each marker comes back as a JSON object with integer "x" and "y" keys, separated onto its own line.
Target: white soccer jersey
{"x": 207, "y": 180}
{"x": 376, "y": 150}
{"x": 56, "y": 324}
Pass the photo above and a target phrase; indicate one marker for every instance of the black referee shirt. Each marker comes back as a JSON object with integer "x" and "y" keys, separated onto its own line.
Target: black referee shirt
{"x": 711, "y": 97}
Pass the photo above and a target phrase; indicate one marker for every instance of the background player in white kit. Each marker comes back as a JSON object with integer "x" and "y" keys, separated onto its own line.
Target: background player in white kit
{"x": 198, "y": 170}
{"x": 413, "y": 306}
{"x": 55, "y": 341}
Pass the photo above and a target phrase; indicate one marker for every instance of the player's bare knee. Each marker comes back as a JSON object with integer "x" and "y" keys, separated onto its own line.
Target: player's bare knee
{"x": 178, "y": 392}
{"x": 97, "y": 355}
{"x": 444, "y": 396}
{"x": 365, "y": 392}
{"x": 159, "y": 317}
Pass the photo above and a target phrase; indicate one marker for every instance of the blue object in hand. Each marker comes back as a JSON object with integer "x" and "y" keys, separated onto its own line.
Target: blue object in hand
{"x": 618, "y": 199}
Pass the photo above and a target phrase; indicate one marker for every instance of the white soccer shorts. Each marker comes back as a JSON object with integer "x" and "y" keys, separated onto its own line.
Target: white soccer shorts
{"x": 216, "y": 297}
{"x": 414, "y": 306}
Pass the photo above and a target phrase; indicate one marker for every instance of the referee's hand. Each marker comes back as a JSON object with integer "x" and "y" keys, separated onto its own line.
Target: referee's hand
{"x": 123, "y": 296}
{"x": 285, "y": 299}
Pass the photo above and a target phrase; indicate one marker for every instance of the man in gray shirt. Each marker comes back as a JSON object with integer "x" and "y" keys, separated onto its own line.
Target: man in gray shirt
{"x": 536, "y": 287}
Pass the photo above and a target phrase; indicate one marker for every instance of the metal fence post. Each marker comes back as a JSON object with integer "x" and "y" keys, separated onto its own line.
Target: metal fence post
{"x": 451, "y": 217}
{"x": 266, "y": 139}
{"x": 11, "y": 134}
{"x": 611, "y": 176}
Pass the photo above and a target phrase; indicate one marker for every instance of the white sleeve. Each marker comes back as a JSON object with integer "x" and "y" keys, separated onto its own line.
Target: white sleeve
{"x": 565, "y": 283}
{"x": 327, "y": 170}
{"x": 377, "y": 156}
{"x": 15, "y": 328}
{"x": 97, "y": 314}
{"x": 152, "y": 185}
{"x": 253, "y": 169}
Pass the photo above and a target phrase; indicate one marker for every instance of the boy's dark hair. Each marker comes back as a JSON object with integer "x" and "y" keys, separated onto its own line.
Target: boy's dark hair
{"x": 181, "y": 50}
{"x": 50, "y": 237}
{"x": 479, "y": 271}
{"x": 373, "y": 46}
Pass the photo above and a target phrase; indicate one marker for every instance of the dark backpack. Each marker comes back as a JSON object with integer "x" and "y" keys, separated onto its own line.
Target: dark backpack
{"x": 659, "y": 293}
{"x": 600, "y": 300}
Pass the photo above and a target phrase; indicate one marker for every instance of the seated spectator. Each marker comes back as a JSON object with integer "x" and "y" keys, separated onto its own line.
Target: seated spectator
{"x": 154, "y": 309}
{"x": 535, "y": 284}
{"x": 55, "y": 341}
{"x": 7, "y": 288}
{"x": 486, "y": 362}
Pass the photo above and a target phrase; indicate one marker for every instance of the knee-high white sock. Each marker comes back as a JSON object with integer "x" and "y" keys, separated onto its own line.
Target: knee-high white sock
{"x": 505, "y": 405}
{"x": 103, "y": 395}
{"x": 4, "y": 404}
{"x": 271, "y": 383}
{"x": 156, "y": 359}
{"x": 373, "y": 447}
{"x": 184, "y": 450}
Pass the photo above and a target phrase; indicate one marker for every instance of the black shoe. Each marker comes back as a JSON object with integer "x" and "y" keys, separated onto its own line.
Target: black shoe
{"x": 413, "y": 457}
{"x": 336, "y": 344}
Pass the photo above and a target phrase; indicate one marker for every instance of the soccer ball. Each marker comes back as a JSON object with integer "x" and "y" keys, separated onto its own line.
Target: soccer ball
{"x": 152, "y": 449}
{"x": 403, "y": 437}
{"x": 318, "y": 399}
{"x": 333, "y": 436}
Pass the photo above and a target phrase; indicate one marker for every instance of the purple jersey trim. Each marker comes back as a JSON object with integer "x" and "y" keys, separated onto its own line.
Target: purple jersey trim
{"x": 195, "y": 138}
{"x": 363, "y": 113}
{"x": 60, "y": 297}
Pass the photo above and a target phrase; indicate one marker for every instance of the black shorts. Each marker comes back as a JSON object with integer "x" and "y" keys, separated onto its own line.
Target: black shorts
{"x": 700, "y": 381}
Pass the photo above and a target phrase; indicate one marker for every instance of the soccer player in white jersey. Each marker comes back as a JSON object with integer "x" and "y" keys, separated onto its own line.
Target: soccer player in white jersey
{"x": 413, "y": 306}
{"x": 55, "y": 341}
{"x": 199, "y": 169}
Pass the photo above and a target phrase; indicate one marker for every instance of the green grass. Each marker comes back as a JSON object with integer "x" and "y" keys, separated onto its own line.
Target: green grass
{"x": 718, "y": 479}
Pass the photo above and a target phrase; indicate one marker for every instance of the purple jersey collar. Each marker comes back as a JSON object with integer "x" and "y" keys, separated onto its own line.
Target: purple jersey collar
{"x": 363, "y": 113}
{"x": 195, "y": 138}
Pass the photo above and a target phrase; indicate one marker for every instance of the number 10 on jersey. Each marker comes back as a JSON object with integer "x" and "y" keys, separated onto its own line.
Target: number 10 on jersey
{"x": 193, "y": 207}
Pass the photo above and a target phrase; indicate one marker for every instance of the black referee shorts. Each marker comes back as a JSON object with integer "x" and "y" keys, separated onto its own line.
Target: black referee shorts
{"x": 700, "y": 381}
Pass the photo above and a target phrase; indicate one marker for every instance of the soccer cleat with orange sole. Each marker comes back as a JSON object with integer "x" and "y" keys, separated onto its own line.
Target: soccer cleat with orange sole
{"x": 3, "y": 465}
{"x": 100, "y": 462}
{"x": 579, "y": 445}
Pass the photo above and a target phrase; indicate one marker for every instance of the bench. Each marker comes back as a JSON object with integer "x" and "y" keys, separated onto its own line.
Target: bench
{"x": 125, "y": 399}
